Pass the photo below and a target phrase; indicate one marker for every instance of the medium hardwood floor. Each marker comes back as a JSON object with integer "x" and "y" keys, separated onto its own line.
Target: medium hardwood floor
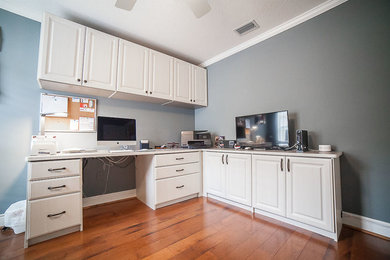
{"x": 200, "y": 228}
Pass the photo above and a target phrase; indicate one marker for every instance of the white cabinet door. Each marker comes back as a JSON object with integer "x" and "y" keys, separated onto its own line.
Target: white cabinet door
{"x": 161, "y": 76}
{"x": 214, "y": 172}
{"x": 61, "y": 50}
{"x": 100, "y": 60}
{"x": 199, "y": 96}
{"x": 132, "y": 68}
{"x": 238, "y": 178}
{"x": 269, "y": 183}
{"x": 309, "y": 191}
{"x": 183, "y": 82}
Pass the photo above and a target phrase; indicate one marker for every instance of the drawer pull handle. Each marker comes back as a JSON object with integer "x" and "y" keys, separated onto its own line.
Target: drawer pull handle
{"x": 180, "y": 170}
{"x": 57, "y": 214}
{"x": 56, "y": 169}
{"x": 179, "y": 187}
{"x": 181, "y": 158}
{"x": 56, "y": 187}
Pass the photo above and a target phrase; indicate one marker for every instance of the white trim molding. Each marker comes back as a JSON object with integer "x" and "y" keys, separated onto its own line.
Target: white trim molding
{"x": 1, "y": 220}
{"x": 372, "y": 225}
{"x": 322, "y": 8}
{"x": 100, "y": 199}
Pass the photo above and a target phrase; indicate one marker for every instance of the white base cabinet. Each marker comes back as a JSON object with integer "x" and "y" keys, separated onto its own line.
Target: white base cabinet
{"x": 54, "y": 200}
{"x": 303, "y": 191}
{"x": 228, "y": 175}
{"x": 309, "y": 192}
{"x": 165, "y": 179}
{"x": 269, "y": 183}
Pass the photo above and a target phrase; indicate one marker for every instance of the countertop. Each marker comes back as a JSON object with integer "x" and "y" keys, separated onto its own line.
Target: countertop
{"x": 105, "y": 153}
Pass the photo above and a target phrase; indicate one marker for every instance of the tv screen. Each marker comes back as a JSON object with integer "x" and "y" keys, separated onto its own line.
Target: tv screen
{"x": 115, "y": 129}
{"x": 263, "y": 130}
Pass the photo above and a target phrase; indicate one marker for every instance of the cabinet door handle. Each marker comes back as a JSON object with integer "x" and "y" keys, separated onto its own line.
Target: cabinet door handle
{"x": 288, "y": 165}
{"x": 56, "y": 169}
{"x": 191, "y": 100}
{"x": 194, "y": 100}
{"x": 181, "y": 158}
{"x": 85, "y": 81}
{"x": 78, "y": 80}
{"x": 227, "y": 162}
{"x": 179, "y": 187}
{"x": 146, "y": 91}
{"x": 180, "y": 170}
{"x": 150, "y": 92}
{"x": 223, "y": 162}
{"x": 56, "y": 187}
{"x": 57, "y": 214}
{"x": 281, "y": 164}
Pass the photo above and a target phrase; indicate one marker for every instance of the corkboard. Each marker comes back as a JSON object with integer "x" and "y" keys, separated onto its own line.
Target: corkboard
{"x": 81, "y": 113}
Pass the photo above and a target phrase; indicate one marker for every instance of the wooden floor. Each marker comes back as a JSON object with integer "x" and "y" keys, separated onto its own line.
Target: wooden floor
{"x": 196, "y": 229}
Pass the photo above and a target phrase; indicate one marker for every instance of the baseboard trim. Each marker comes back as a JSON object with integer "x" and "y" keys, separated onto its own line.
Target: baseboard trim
{"x": 101, "y": 199}
{"x": 372, "y": 226}
{"x": 1, "y": 220}
{"x": 275, "y": 31}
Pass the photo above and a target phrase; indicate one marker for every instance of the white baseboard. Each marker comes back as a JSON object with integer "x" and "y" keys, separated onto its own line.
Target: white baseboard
{"x": 100, "y": 199}
{"x": 372, "y": 225}
{"x": 1, "y": 220}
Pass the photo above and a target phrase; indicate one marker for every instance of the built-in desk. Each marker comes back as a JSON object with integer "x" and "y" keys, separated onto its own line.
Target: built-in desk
{"x": 54, "y": 187}
{"x": 302, "y": 189}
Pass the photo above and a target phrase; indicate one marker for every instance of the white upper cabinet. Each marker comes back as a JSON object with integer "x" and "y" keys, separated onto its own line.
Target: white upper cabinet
{"x": 268, "y": 179}
{"x": 238, "y": 178}
{"x": 78, "y": 59}
{"x": 183, "y": 81}
{"x": 309, "y": 191}
{"x": 100, "y": 60}
{"x": 199, "y": 96}
{"x": 61, "y": 50}
{"x": 132, "y": 68}
{"x": 161, "y": 75}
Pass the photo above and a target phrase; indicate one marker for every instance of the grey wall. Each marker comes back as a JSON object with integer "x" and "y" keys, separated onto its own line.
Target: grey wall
{"x": 333, "y": 75}
{"x": 19, "y": 111}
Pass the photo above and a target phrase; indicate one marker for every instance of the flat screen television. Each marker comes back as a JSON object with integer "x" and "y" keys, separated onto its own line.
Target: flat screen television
{"x": 268, "y": 130}
{"x": 113, "y": 131}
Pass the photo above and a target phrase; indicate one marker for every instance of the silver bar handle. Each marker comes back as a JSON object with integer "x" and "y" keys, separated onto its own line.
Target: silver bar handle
{"x": 57, "y": 214}
{"x": 281, "y": 164}
{"x": 179, "y": 170}
{"x": 179, "y": 187}
{"x": 181, "y": 158}
{"x": 56, "y": 187}
{"x": 227, "y": 162}
{"x": 56, "y": 169}
{"x": 223, "y": 162}
{"x": 288, "y": 165}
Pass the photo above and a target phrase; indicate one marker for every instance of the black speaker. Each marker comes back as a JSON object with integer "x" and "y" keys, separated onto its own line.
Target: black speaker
{"x": 302, "y": 141}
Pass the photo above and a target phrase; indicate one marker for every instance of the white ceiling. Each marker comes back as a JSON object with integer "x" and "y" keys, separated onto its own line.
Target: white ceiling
{"x": 171, "y": 27}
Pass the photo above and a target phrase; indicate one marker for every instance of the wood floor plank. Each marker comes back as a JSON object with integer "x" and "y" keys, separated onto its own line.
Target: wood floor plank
{"x": 199, "y": 228}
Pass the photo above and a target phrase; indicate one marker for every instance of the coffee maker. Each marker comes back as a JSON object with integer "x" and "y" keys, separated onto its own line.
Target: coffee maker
{"x": 302, "y": 141}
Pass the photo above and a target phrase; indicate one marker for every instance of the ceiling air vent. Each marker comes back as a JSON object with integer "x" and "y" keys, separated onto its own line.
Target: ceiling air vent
{"x": 246, "y": 28}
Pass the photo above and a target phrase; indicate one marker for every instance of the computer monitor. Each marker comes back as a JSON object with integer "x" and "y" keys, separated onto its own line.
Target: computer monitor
{"x": 112, "y": 131}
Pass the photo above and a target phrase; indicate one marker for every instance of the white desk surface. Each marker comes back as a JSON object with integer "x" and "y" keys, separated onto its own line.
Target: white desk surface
{"x": 65, "y": 156}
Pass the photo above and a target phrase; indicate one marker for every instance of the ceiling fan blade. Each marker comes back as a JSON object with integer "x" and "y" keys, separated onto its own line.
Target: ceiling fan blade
{"x": 199, "y": 7}
{"x": 125, "y": 4}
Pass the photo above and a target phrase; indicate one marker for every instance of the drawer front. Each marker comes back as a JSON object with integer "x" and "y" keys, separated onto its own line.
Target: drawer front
{"x": 177, "y": 187}
{"x": 177, "y": 170}
{"x": 176, "y": 158}
{"x": 53, "y": 187}
{"x": 53, "y": 169}
{"x": 42, "y": 214}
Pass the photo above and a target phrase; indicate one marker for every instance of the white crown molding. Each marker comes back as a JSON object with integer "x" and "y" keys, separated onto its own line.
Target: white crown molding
{"x": 276, "y": 30}
{"x": 1, "y": 220}
{"x": 372, "y": 225}
{"x": 110, "y": 197}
